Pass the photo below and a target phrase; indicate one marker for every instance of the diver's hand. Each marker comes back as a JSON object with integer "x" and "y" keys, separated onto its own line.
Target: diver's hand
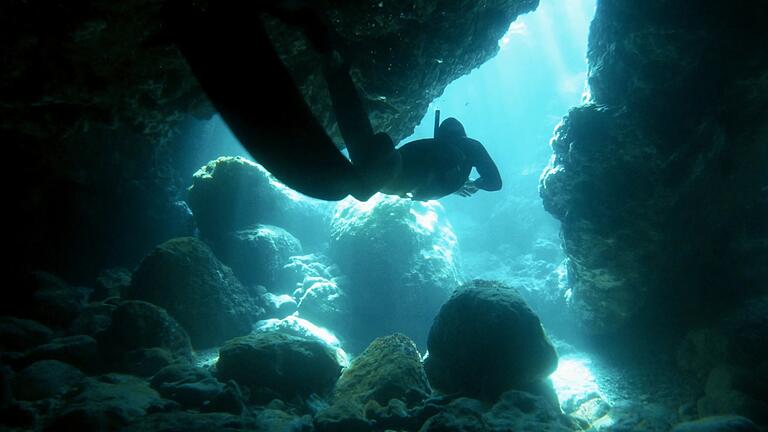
{"x": 468, "y": 189}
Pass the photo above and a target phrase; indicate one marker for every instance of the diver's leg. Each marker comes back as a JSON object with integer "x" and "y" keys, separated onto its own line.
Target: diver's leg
{"x": 351, "y": 114}
{"x": 235, "y": 63}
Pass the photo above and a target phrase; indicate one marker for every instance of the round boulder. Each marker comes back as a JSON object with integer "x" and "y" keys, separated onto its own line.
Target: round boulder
{"x": 258, "y": 254}
{"x": 285, "y": 365}
{"x": 232, "y": 193}
{"x": 183, "y": 276}
{"x": 486, "y": 340}
{"x": 399, "y": 257}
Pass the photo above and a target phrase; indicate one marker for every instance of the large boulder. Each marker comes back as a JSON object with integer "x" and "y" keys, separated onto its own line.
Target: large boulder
{"x": 258, "y": 254}
{"x": 486, "y": 340}
{"x": 302, "y": 328}
{"x": 184, "y": 277}
{"x": 232, "y": 193}
{"x": 138, "y": 325}
{"x": 279, "y": 364}
{"x": 400, "y": 260}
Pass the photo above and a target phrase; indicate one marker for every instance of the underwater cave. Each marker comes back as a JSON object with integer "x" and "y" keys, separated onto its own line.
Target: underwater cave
{"x": 316, "y": 215}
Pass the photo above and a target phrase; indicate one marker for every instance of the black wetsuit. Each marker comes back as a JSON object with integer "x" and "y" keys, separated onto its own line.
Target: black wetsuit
{"x": 433, "y": 168}
{"x": 231, "y": 54}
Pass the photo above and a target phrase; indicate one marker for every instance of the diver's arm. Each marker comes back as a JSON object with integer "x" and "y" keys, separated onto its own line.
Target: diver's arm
{"x": 489, "y": 179}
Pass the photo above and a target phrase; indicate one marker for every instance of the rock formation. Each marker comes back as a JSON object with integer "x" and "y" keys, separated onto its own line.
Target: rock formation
{"x": 399, "y": 257}
{"x": 659, "y": 180}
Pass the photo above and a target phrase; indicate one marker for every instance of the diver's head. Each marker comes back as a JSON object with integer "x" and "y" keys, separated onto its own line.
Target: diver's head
{"x": 450, "y": 128}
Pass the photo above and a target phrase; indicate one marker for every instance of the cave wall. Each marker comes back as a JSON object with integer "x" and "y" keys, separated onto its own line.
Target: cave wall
{"x": 93, "y": 96}
{"x": 660, "y": 178}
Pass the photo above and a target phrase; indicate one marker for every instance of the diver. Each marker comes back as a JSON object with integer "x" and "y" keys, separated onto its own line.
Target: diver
{"x": 232, "y": 57}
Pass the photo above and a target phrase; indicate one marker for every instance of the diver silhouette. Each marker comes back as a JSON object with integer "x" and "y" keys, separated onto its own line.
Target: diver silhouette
{"x": 231, "y": 55}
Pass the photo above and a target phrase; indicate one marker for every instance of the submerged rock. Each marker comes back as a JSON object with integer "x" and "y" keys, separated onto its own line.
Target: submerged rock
{"x": 111, "y": 282}
{"x": 717, "y": 424}
{"x": 636, "y": 415}
{"x": 54, "y": 302}
{"x": 184, "y": 277}
{"x": 283, "y": 364}
{"x": 230, "y": 194}
{"x": 390, "y": 368}
{"x": 258, "y": 254}
{"x": 399, "y": 258}
{"x": 94, "y": 319}
{"x": 662, "y": 211}
{"x": 190, "y": 386}
{"x": 300, "y": 327}
{"x": 316, "y": 288}
{"x": 515, "y": 411}
{"x": 138, "y": 325}
{"x": 378, "y": 387}
{"x": 739, "y": 391}
{"x": 107, "y": 403}
{"x": 187, "y": 421}
{"x": 20, "y": 334}
{"x": 484, "y": 341}
{"x": 81, "y": 351}
{"x": 729, "y": 356}
{"x": 45, "y": 379}
{"x": 324, "y": 302}
{"x": 144, "y": 362}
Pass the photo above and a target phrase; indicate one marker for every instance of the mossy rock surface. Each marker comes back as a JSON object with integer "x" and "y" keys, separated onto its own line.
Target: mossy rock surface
{"x": 390, "y": 368}
{"x": 140, "y": 325}
{"x": 284, "y": 364}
